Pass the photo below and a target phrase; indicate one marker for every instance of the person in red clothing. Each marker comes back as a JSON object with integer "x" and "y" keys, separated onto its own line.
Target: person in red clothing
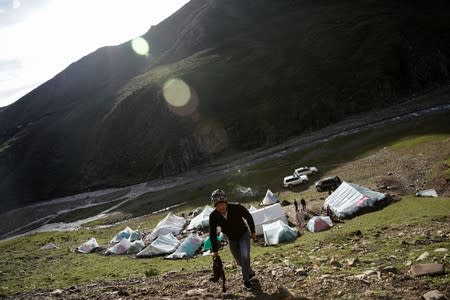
{"x": 230, "y": 217}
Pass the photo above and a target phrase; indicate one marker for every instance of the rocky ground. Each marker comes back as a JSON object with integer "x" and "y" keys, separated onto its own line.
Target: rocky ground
{"x": 358, "y": 276}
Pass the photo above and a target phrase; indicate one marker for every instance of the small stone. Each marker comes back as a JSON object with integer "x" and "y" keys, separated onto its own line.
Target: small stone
{"x": 423, "y": 256}
{"x": 408, "y": 263}
{"x": 426, "y": 269}
{"x": 56, "y": 292}
{"x": 352, "y": 261}
{"x": 441, "y": 250}
{"x": 434, "y": 295}
{"x": 196, "y": 292}
{"x": 300, "y": 272}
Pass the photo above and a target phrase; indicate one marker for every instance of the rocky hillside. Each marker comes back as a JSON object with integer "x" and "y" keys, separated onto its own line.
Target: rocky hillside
{"x": 257, "y": 72}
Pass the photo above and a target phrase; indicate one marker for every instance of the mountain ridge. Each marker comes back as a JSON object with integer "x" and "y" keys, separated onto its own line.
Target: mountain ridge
{"x": 281, "y": 68}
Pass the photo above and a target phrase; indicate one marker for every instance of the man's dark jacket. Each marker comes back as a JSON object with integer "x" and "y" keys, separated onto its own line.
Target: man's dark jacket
{"x": 233, "y": 226}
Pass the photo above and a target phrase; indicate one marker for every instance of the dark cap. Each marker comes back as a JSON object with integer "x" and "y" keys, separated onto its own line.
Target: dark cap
{"x": 218, "y": 196}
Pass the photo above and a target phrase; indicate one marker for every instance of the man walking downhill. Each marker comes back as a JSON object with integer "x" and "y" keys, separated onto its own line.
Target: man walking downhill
{"x": 230, "y": 217}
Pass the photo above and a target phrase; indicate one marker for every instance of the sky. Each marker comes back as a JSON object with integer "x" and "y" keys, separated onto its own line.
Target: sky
{"x": 40, "y": 38}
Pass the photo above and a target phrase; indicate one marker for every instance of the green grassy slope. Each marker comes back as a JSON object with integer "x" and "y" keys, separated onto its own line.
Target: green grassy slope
{"x": 25, "y": 267}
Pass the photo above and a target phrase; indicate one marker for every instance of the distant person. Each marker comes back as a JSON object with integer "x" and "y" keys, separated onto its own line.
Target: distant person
{"x": 230, "y": 217}
{"x": 296, "y": 205}
{"x": 303, "y": 203}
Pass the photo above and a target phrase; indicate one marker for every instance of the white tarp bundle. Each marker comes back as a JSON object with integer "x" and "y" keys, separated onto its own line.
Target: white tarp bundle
{"x": 201, "y": 220}
{"x": 119, "y": 248}
{"x": 252, "y": 208}
{"x": 267, "y": 215}
{"x": 170, "y": 224}
{"x": 188, "y": 247}
{"x": 88, "y": 246}
{"x": 278, "y": 232}
{"x": 349, "y": 198}
{"x": 427, "y": 193}
{"x": 319, "y": 223}
{"x": 269, "y": 199}
{"x": 49, "y": 246}
{"x": 136, "y": 246}
{"x": 164, "y": 244}
{"x": 127, "y": 233}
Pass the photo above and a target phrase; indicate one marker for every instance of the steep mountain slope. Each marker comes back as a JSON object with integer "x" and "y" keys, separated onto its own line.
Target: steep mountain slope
{"x": 257, "y": 72}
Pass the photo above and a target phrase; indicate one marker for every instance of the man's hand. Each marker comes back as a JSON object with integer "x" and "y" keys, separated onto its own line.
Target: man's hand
{"x": 254, "y": 236}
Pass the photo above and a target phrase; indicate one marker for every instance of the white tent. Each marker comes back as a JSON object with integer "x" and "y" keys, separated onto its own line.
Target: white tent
{"x": 127, "y": 233}
{"x": 164, "y": 244}
{"x": 136, "y": 246}
{"x": 349, "y": 198}
{"x": 119, "y": 248}
{"x": 269, "y": 199}
{"x": 277, "y": 232}
{"x": 427, "y": 193}
{"x": 319, "y": 223}
{"x": 88, "y": 246}
{"x": 170, "y": 224}
{"x": 201, "y": 220}
{"x": 188, "y": 247}
{"x": 267, "y": 215}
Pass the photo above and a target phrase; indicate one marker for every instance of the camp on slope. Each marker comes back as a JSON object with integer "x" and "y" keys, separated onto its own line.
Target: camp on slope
{"x": 350, "y": 198}
{"x": 164, "y": 244}
{"x": 269, "y": 198}
{"x": 267, "y": 214}
{"x": 278, "y": 232}
{"x": 201, "y": 220}
{"x": 170, "y": 224}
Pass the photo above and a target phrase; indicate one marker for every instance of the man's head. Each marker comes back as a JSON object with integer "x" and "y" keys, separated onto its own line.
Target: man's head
{"x": 219, "y": 200}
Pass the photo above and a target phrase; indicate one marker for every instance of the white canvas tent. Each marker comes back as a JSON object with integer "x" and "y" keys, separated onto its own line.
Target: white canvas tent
{"x": 201, "y": 220}
{"x": 349, "y": 198}
{"x": 88, "y": 246}
{"x": 170, "y": 224}
{"x": 188, "y": 247}
{"x": 267, "y": 215}
{"x": 427, "y": 193}
{"x": 120, "y": 248}
{"x": 319, "y": 223}
{"x": 277, "y": 232}
{"x": 127, "y": 233}
{"x": 269, "y": 199}
{"x": 136, "y": 246}
{"x": 164, "y": 244}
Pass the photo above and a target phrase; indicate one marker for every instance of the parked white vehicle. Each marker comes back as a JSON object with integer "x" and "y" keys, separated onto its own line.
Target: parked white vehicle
{"x": 305, "y": 171}
{"x": 292, "y": 180}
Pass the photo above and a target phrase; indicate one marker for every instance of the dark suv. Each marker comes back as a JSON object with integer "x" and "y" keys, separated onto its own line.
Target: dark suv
{"x": 328, "y": 184}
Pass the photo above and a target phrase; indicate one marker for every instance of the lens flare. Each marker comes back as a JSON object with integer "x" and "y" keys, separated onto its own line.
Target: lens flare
{"x": 181, "y": 98}
{"x": 140, "y": 46}
{"x": 16, "y": 4}
{"x": 176, "y": 92}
